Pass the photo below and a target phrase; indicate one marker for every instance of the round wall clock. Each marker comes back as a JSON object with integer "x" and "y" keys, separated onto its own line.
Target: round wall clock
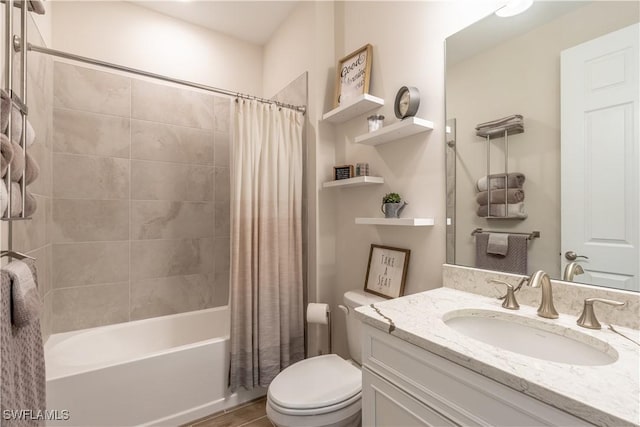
{"x": 407, "y": 102}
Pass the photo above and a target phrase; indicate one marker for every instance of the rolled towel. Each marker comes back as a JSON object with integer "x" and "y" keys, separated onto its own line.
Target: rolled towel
{"x": 514, "y": 195}
{"x": 17, "y": 163}
{"x": 513, "y": 210}
{"x": 31, "y": 169}
{"x": 514, "y": 180}
{"x": 16, "y": 199}
{"x": 16, "y": 128}
{"x": 6, "y": 154}
{"x": 35, "y": 6}
{"x": 5, "y": 103}
{"x": 25, "y": 300}
{"x": 30, "y": 205}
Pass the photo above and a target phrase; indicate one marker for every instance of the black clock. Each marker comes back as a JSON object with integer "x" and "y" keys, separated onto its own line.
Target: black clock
{"x": 407, "y": 102}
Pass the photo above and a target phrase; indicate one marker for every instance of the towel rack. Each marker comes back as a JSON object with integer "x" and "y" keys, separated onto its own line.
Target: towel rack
{"x": 20, "y": 104}
{"x": 511, "y": 125}
{"x": 532, "y": 235}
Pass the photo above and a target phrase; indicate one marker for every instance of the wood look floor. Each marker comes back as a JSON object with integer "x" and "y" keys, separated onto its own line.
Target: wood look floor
{"x": 251, "y": 414}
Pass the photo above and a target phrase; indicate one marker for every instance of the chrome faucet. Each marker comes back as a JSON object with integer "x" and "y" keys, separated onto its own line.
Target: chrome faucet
{"x": 571, "y": 270}
{"x": 541, "y": 279}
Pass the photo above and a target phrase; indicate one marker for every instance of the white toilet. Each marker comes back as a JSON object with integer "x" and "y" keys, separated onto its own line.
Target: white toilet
{"x": 323, "y": 391}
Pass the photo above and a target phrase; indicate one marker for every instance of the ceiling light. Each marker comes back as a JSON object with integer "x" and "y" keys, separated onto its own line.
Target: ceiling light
{"x": 514, "y": 7}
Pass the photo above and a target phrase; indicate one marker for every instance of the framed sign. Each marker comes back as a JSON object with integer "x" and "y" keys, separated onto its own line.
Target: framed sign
{"x": 387, "y": 271}
{"x": 342, "y": 172}
{"x": 353, "y": 75}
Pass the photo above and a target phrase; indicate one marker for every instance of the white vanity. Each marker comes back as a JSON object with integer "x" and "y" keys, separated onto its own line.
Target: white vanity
{"x": 429, "y": 371}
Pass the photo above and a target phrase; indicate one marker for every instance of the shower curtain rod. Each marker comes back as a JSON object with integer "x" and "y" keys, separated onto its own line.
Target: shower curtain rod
{"x": 61, "y": 54}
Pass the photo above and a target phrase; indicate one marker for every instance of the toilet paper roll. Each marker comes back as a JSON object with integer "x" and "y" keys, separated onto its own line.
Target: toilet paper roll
{"x": 317, "y": 313}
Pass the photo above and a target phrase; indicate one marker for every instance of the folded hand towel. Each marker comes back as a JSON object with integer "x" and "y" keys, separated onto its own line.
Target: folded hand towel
{"x": 497, "y": 196}
{"x": 513, "y": 210}
{"x": 16, "y": 199}
{"x": 6, "y": 154}
{"x": 498, "y": 244}
{"x": 25, "y": 299}
{"x": 30, "y": 205}
{"x": 32, "y": 169}
{"x": 499, "y": 131}
{"x": 5, "y": 103}
{"x": 515, "y": 118}
{"x": 514, "y": 180}
{"x": 17, "y": 163}
{"x": 515, "y": 261}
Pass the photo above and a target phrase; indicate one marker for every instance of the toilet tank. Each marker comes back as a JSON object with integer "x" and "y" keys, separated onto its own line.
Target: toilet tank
{"x": 353, "y": 299}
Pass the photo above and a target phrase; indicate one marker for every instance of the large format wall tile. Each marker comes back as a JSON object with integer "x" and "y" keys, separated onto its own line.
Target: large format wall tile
{"x": 222, "y": 149}
{"x": 170, "y": 295}
{"x": 171, "y": 220}
{"x": 164, "y": 258}
{"x": 169, "y": 143}
{"x": 81, "y": 264}
{"x": 85, "y": 177}
{"x": 221, "y": 267}
{"x": 222, "y": 185}
{"x": 89, "y": 306}
{"x": 164, "y": 104}
{"x": 171, "y": 181}
{"x": 222, "y": 108}
{"x": 42, "y": 155}
{"x": 79, "y": 132}
{"x": 85, "y": 89}
{"x": 222, "y": 219}
{"x": 33, "y": 234}
{"x": 90, "y": 220}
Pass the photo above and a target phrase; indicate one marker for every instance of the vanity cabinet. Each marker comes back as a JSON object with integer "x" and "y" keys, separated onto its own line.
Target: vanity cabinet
{"x": 404, "y": 385}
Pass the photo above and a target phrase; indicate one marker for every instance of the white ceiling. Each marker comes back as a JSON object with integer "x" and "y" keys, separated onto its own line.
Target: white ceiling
{"x": 252, "y": 21}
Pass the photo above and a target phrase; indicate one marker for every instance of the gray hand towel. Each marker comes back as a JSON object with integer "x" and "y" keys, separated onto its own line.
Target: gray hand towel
{"x": 17, "y": 163}
{"x": 515, "y": 261}
{"x": 514, "y": 118}
{"x": 6, "y": 154}
{"x": 25, "y": 300}
{"x": 23, "y": 375}
{"x": 498, "y": 244}
{"x": 514, "y": 195}
{"x": 514, "y": 180}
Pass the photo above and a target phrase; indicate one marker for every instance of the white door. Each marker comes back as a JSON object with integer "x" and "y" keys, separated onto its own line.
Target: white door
{"x": 601, "y": 157}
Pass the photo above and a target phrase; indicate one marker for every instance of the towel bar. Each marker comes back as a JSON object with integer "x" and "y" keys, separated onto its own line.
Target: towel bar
{"x": 532, "y": 235}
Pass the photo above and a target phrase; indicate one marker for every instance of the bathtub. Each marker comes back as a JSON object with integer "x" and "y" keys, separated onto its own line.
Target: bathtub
{"x": 162, "y": 371}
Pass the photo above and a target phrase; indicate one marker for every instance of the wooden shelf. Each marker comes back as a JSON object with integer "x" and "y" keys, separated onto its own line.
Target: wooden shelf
{"x": 358, "y": 106}
{"x": 407, "y": 222}
{"x": 402, "y": 129}
{"x": 358, "y": 181}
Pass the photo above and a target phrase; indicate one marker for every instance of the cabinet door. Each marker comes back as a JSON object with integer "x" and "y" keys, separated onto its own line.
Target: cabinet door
{"x": 385, "y": 405}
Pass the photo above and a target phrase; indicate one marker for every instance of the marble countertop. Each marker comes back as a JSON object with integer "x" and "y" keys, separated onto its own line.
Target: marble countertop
{"x": 607, "y": 395}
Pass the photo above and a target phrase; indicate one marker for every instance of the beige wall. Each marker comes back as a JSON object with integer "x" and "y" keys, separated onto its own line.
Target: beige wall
{"x": 521, "y": 76}
{"x": 408, "y": 50}
{"x": 126, "y": 34}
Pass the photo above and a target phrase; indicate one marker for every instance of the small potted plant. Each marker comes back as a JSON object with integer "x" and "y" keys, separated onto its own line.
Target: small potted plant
{"x": 392, "y": 205}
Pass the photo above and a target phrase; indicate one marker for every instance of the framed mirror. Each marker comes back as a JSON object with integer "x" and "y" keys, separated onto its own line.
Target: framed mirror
{"x": 570, "y": 69}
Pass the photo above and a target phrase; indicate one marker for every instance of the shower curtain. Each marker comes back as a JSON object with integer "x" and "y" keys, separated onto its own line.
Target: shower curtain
{"x": 267, "y": 326}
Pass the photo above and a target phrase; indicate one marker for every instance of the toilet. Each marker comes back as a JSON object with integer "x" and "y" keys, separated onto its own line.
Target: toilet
{"x": 323, "y": 391}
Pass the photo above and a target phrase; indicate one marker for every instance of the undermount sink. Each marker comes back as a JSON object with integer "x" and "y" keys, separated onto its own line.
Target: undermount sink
{"x": 531, "y": 337}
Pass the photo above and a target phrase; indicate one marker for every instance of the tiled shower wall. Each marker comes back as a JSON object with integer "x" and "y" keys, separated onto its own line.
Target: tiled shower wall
{"x": 140, "y": 199}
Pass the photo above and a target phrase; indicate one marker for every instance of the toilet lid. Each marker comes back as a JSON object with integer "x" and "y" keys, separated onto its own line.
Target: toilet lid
{"x": 316, "y": 382}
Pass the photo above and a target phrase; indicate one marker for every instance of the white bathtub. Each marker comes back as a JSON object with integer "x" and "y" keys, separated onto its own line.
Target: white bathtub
{"x": 162, "y": 371}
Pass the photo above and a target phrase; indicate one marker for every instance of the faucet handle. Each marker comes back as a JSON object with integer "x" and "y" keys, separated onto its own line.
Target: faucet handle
{"x": 509, "y": 298}
{"x": 588, "y": 317}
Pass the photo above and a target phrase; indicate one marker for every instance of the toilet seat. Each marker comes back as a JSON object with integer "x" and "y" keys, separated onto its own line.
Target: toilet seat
{"x": 318, "y": 385}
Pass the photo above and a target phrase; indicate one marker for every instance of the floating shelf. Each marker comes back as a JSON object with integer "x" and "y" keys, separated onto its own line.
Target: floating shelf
{"x": 408, "y": 222}
{"x": 407, "y": 127}
{"x": 356, "y": 107}
{"x": 358, "y": 181}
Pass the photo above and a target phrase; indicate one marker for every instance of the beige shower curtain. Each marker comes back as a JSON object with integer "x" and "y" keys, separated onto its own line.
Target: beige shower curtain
{"x": 267, "y": 326}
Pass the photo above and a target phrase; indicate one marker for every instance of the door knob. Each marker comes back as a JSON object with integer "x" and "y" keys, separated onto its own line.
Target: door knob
{"x": 572, "y": 256}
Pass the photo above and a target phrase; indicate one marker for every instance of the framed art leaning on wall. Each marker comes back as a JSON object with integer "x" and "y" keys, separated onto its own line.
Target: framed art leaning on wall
{"x": 353, "y": 75}
{"x": 387, "y": 271}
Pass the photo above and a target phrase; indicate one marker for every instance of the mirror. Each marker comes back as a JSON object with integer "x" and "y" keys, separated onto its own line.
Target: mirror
{"x": 571, "y": 70}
